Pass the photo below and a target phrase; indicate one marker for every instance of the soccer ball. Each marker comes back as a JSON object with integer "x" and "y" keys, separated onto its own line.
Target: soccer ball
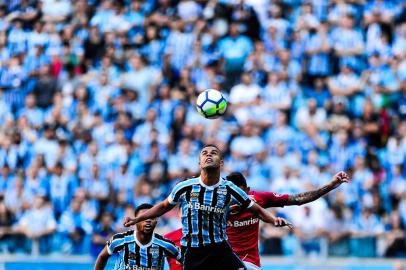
{"x": 211, "y": 104}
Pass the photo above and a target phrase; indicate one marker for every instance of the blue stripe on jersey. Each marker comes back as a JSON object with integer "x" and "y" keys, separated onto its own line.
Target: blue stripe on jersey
{"x": 115, "y": 244}
{"x": 208, "y": 196}
{"x": 144, "y": 256}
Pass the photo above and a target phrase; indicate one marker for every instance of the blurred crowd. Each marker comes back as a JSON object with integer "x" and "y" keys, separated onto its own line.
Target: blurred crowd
{"x": 97, "y": 115}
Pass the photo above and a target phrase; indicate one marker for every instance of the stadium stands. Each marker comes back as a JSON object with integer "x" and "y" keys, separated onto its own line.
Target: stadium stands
{"x": 97, "y": 116}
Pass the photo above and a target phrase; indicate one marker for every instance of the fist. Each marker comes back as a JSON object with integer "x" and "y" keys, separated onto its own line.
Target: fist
{"x": 341, "y": 177}
{"x": 128, "y": 222}
{"x": 281, "y": 222}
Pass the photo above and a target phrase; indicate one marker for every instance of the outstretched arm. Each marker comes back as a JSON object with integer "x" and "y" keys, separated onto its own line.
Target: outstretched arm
{"x": 268, "y": 217}
{"x": 306, "y": 197}
{"x": 156, "y": 211}
{"x": 101, "y": 259}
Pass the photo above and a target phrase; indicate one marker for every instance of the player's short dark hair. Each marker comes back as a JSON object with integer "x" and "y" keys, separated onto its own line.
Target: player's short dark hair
{"x": 142, "y": 207}
{"x": 213, "y": 145}
{"x": 237, "y": 179}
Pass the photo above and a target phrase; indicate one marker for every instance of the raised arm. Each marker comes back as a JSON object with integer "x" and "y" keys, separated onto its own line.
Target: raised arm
{"x": 156, "y": 211}
{"x": 267, "y": 217}
{"x": 309, "y": 196}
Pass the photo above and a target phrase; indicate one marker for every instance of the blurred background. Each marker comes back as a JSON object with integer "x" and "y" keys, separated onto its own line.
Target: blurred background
{"x": 97, "y": 116}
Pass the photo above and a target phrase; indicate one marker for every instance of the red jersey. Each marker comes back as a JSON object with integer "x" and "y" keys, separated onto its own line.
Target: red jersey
{"x": 243, "y": 228}
{"x": 175, "y": 237}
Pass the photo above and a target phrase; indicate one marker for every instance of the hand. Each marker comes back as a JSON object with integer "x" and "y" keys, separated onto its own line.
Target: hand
{"x": 129, "y": 221}
{"x": 252, "y": 198}
{"x": 281, "y": 222}
{"x": 339, "y": 178}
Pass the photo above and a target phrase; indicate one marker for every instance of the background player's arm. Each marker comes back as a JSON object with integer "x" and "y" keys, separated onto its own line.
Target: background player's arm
{"x": 156, "y": 211}
{"x": 102, "y": 259}
{"x": 306, "y": 197}
{"x": 267, "y": 216}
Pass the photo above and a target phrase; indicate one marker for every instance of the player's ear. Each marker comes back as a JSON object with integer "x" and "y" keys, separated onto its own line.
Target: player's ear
{"x": 221, "y": 162}
{"x": 248, "y": 189}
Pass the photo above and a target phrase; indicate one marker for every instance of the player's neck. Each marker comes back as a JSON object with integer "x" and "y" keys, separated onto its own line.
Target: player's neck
{"x": 210, "y": 177}
{"x": 143, "y": 238}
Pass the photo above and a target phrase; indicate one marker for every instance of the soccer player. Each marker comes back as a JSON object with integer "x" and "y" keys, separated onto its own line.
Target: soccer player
{"x": 141, "y": 249}
{"x": 205, "y": 203}
{"x": 244, "y": 223}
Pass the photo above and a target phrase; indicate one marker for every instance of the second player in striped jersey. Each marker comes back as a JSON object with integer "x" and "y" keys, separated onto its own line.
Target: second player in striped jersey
{"x": 141, "y": 249}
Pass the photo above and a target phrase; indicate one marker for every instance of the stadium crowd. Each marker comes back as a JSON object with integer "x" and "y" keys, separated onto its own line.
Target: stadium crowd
{"x": 97, "y": 115}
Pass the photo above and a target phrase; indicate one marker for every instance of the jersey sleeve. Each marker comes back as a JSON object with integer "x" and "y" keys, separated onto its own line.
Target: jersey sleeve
{"x": 240, "y": 196}
{"x": 176, "y": 193}
{"x": 271, "y": 199}
{"x": 115, "y": 244}
{"x": 171, "y": 250}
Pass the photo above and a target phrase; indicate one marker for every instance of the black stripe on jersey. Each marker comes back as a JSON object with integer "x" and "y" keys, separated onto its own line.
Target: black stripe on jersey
{"x": 126, "y": 253}
{"x": 161, "y": 257}
{"x": 239, "y": 198}
{"x": 180, "y": 192}
{"x": 211, "y": 226}
{"x": 226, "y": 202}
{"x": 138, "y": 254}
{"x": 200, "y": 216}
{"x": 122, "y": 235}
{"x": 149, "y": 257}
{"x": 189, "y": 218}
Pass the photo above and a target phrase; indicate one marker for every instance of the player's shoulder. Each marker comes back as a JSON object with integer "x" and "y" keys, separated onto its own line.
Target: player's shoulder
{"x": 225, "y": 182}
{"x": 230, "y": 184}
{"x": 162, "y": 241}
{"x": 187, "y": 183}
{"x": 122, "y": 235}
{"x": 119, "y": 240}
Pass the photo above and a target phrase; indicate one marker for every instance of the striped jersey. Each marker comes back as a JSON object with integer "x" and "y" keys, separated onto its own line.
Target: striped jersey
{"x": 136, "y": 256}
{"x": 205, "y": 209}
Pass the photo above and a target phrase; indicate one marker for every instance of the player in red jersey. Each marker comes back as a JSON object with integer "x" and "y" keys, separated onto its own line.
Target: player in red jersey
{"x": 246, "y": 224}
{"x": 175, "y": 237}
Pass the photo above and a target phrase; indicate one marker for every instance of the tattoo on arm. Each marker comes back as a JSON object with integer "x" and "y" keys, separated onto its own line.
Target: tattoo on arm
{"x": 306, "y": 197}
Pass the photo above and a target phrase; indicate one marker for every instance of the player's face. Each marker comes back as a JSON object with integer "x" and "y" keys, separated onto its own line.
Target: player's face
{"x": 210, "y": 157}
{"x": 146, "y": 226}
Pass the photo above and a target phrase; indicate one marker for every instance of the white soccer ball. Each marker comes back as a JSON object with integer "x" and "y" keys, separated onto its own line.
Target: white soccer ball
{"x": 211, "y": 104}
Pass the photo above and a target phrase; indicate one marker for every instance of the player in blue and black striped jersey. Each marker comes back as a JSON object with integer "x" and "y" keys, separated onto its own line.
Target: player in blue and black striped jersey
{"x": 205, "y": 202}
{"x": 141, "y": 249}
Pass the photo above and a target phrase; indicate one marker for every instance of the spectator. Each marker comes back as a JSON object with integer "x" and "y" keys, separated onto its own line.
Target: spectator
{"x": 45, "y": 88}
{"x": 364, "y": 232}
{"x": 318, "y": 48}
{"x": 102, "y": 234}
{"x": 38, "y": 224}
{"x": 234, "y": 49}
{"x": 6, "y": 222}
{"x": 311, "y": 114}
{"x": 75, "y": 228}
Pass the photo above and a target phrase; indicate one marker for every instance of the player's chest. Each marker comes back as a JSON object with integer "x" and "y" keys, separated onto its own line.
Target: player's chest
{"x": 143, "y": 258}
{"x": 205, "y": 200}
